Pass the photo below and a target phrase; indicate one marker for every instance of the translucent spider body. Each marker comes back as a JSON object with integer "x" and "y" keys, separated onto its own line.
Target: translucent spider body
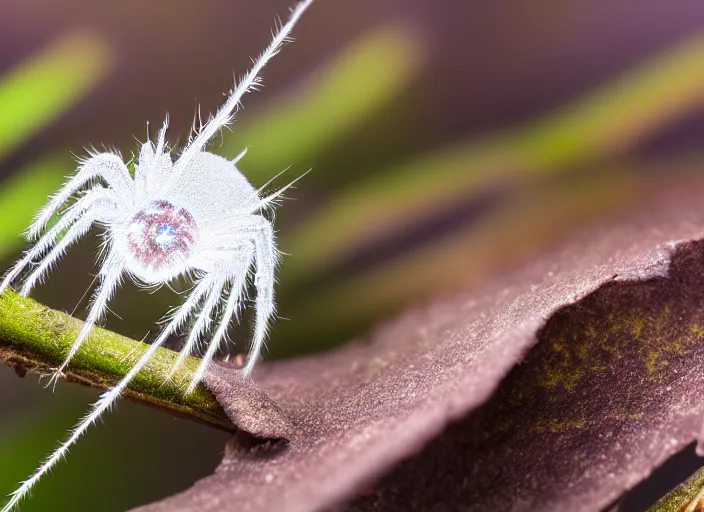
{"x": 198, "y": 216}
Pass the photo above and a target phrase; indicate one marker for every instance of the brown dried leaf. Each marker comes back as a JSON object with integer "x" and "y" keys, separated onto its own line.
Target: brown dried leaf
{"x": 433, "y": 412}
{"x": 248, "y": 407}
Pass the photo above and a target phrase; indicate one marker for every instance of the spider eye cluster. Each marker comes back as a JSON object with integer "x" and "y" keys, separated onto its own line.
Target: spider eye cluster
{"x": 161, "y": 234}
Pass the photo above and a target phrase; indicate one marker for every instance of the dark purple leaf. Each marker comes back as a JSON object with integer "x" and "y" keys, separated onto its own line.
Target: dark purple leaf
{"x": 434, "y": 412}
{"x": 249, "y": 408}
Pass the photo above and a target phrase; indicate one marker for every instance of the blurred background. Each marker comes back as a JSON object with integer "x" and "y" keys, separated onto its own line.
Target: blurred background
{"x": 448, "y": 140}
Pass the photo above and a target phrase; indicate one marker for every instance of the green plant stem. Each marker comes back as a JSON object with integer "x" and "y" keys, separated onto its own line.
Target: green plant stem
{"x": 36, "y": 338}
{"x": 686, "y": 497}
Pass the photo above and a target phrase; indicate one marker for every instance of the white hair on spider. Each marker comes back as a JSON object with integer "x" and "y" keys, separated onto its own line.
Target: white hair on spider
{"x": 197, "y": 217}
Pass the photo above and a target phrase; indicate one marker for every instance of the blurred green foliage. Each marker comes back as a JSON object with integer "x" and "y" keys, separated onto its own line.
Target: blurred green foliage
{"x": 49, "y": 84}
{"x": 339, "y": 98}
{"x": 325, "y": 304}
{"x": 31, "y": 97}
{"x": 24, "y": 193}
{"x": 597, "y": 128}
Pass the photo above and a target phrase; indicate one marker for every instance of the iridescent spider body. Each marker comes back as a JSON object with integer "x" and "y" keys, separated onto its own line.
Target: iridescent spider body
{"x": 159, "y": 239}
{"x": 197, "y": 216}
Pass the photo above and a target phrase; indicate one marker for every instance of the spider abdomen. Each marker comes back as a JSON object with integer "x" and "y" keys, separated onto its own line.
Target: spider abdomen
{"x": 160, "y": 237}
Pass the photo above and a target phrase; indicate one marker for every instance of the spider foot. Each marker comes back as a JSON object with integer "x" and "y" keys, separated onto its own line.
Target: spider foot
{"x": 192, "y": 386}
{"x": 4, "y": 286}
{"x": 172, "y": 371}
{"x": 169, "y": 379}
{"x": 53, "y": 378}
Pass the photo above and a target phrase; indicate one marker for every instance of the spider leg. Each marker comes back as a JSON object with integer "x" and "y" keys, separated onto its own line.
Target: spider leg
{"x": 76, "y": 231}
{"x": 264, "y": 279}
{"x": 71, "y": 215}
{"x": 107, "y": 166}
{"x": 260, "y": 233}
{"x": 108, "y": 398}
{"x": 237, "y": 275}
{"x": 239, "y": 157}
{"x": 250, "y": 81}
{"x": 202, "y": 324}
{"x": 110, "y": 274}
{"x": 271, "y": 199}
{"x": 216, "y": 262}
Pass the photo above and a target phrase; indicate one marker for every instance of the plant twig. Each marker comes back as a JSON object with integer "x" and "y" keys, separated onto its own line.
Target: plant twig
{"x": 686, "y": 497}
{"x": 36, "y": 338}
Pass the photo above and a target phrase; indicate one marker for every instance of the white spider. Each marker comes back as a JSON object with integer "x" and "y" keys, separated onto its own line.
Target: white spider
{"x": 197, "y": 216}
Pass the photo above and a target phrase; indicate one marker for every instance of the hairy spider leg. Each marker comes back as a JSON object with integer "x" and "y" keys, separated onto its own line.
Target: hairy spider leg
{"x": 271, "y": 200}
{"x": 266, "y": 261}
{"x": 225, "y": 113}
{"x": 110, "y": 275}
{"x": 76, "y": 231}
{"x": 108, "y": 398}
{"x": 107, "y": 166}
{"x": 93, "y": 214}
{"x": 238, "y": 272}
{"x": 202, "y": 324}
{"x": 242, "y": 253}
{"x": 71, "y": 215}
{"x": 239, "y": 157}
{"x": 260, "y": 232}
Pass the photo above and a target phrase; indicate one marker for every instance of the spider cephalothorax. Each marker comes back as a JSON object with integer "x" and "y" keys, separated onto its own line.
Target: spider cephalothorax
{"x": 197, "y": 217}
